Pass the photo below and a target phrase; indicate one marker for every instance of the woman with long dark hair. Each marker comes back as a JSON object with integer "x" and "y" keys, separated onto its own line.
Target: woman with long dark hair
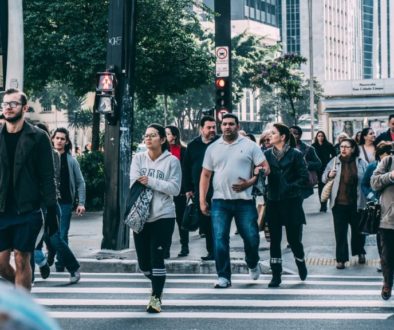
{"x": 325, "y": 151}
{"x": 288, "y": 177}
{"x": 178, "y": 150}
{"x": 346, "y": 200}
{"x": 160, "y": 171}
{"x": 366, "y": 145}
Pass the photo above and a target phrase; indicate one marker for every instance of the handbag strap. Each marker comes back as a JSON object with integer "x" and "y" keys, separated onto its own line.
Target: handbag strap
{"x": 365, "y": 153}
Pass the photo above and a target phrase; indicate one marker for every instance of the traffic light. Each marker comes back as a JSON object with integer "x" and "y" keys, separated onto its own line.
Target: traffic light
{"x": 105, "y": 92}
{"x": 223, "y": 97}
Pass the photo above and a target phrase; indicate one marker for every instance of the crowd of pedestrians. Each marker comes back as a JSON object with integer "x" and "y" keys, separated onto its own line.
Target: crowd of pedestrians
{"x": 41, "y": 185}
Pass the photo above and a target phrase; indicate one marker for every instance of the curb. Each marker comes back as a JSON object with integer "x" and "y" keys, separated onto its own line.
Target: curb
{"x": 172, "y": 266}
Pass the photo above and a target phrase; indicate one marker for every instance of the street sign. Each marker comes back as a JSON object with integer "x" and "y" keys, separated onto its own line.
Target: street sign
{"x": 222, "y": 61}
{"x": 221, "y": 113}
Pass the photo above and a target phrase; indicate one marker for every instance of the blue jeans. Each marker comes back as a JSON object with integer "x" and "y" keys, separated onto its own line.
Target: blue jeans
{"x": 245, "y": 214}
{"x": 65, "y": 220}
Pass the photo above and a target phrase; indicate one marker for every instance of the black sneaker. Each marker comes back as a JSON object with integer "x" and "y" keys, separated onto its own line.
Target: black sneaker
{"x": 45, "y": 271}
{"x": 183, "y": 253}
{"x": 208, "y": 257}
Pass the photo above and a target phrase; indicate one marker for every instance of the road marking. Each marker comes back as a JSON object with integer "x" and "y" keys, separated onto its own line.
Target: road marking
{"x": 205, "y": 315}
{"x": 209, "y": 281}
{"x": 219, "y": 303}
{"x": 214, "y": 276}
{"x": 194, "y": 291}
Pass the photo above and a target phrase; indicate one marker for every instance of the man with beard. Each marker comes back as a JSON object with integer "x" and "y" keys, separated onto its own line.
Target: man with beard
{"x": 27, "y": 181}
{"x": 192, "y": 167}
{"x": 232, "y": 159}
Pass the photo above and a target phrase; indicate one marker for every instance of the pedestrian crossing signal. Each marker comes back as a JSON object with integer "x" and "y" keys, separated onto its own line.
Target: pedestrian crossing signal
{"x": 106, "y": 82}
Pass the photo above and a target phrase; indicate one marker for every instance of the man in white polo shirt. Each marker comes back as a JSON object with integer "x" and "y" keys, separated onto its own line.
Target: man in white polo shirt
{"x": 232, "y": 158}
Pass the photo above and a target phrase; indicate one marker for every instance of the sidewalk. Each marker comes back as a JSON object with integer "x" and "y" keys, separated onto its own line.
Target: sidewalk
{"x": 318, "y": 239}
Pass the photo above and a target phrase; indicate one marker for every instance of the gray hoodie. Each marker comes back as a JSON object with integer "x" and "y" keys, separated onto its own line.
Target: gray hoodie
{"x": 164, "y": 178}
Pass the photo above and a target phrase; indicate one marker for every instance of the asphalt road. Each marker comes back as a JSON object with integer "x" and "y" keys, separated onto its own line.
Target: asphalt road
{"x": 118, "y": 301}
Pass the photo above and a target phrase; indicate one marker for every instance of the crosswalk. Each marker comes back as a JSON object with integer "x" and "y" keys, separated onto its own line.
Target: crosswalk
{"x": 186, "y": 296}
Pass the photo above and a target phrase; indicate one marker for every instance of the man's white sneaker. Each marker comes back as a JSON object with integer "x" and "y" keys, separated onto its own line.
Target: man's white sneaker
{"x": 254, "y": 273}
{"x": 222, "y": 283}
{"x": 75, "y": 277}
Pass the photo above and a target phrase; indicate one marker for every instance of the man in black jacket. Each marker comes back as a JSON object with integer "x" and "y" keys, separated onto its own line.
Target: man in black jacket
{"x": 389, "y": 134}
{"x": 27, "y": 181}
{"x": 192, "y": 167}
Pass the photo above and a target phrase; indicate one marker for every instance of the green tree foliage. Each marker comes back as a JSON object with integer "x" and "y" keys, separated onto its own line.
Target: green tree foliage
{"x": 274, "y": 105}
{"x": 92, "y": 168}
{"x": 283, "y": 76}
{"x": 65, "y": 41}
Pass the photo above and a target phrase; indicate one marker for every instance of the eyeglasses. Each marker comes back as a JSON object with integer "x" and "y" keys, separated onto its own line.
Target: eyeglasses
{"x": 345, "y": 147}
{"x": 12, "y": 104}
{"x": 151, "y": 136}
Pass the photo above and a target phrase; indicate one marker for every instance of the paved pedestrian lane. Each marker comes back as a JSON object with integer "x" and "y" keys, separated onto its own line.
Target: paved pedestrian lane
{"x": 124, "y": 296}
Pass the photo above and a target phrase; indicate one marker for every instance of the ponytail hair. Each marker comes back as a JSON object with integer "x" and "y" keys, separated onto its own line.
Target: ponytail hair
{"x": 284, "y": 130}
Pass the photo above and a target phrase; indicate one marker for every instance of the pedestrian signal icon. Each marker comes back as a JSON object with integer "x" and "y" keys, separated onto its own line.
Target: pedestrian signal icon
{"x": 106, "y": 82}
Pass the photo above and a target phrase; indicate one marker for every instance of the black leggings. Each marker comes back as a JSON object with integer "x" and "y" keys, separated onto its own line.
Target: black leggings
{"x": 150, "y": 245}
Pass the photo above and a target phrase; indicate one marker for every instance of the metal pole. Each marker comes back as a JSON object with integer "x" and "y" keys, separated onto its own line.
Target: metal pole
{"x": 15, "y": 57}
{"x": 311, "y": 91}
{"x": 117, "y": 156}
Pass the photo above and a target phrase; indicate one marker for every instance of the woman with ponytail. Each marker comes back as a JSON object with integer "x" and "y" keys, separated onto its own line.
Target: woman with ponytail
{"x": 288, "y": 177}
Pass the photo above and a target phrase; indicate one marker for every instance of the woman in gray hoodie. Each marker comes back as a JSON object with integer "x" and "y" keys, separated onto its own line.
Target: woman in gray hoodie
{"x": 160, "y": 171}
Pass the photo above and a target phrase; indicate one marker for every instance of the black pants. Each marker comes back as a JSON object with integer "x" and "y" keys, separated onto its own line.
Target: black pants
{"x": 293, "y": 232}
{"x": 387, "y": 258}
{"x": 320, "y": 186}
{"x": 345, "y": 215}
{"x": 150, "y": 245}
{"x": 180, "y": 205}
{"x": 206, "y": 228}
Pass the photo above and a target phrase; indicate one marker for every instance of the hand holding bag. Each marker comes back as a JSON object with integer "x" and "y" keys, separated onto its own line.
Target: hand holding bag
{"x": 327, "y": 189}
{"x": 138, "y": 206}
{"x": 191, "y": 216}
{"x": 370, "y": 218}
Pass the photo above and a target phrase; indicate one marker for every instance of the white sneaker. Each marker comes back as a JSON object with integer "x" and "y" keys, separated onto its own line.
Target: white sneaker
{"x": 75, "y": 277}
{"x": 222, "y": 283}
{"x": 254, "y": 273}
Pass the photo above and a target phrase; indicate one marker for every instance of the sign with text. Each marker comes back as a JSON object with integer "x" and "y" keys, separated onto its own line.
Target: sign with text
{"x": 222, "y": 61}
{"x": 373, "y": 87}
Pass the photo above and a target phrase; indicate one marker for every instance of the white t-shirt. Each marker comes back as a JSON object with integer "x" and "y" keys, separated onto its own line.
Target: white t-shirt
{"x": 231, "y": 162}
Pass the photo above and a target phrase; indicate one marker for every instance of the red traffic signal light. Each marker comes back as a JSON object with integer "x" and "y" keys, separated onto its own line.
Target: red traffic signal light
{"x": 106, "y": 82}
{"x": 220, "y": 83}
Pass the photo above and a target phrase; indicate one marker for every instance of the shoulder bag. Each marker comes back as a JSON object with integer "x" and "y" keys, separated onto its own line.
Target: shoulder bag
{"x": 313, "y": 178}
{"x": 138, "y": 206}
{"x": 327, "y": 189}
{"x": 371, "y": 214}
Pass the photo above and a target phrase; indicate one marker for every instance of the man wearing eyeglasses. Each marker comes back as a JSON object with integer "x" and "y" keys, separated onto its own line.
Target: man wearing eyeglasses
{"x": 27, "y": 181}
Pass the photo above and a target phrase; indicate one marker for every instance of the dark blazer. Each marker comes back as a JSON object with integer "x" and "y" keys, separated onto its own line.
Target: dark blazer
{"x": 385, "y": 136}
{"x": 288, "y": 177}
{"x": 192, "y": 165}
{"x": 34, "y": 178}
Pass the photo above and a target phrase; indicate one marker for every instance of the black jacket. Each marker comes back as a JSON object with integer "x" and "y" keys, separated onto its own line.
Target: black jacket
{"x": 34, "y": 178}
{"x": 325, "y": 152}
{"x": 192, "y": 165}
{"x": 288, "y": 176}
{"x": 385, "y": 136}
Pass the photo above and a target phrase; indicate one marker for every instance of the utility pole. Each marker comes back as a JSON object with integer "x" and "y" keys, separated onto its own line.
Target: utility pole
{"x": 311, "y": 87}
{"x": 119, "y": 121}
{"x": 11, "y": 25}
{"x": 223, "y": 57}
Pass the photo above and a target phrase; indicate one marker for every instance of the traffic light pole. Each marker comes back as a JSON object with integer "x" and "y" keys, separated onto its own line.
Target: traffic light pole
{"x": 118, "y": 137}
{"x": 223, "y": 57}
